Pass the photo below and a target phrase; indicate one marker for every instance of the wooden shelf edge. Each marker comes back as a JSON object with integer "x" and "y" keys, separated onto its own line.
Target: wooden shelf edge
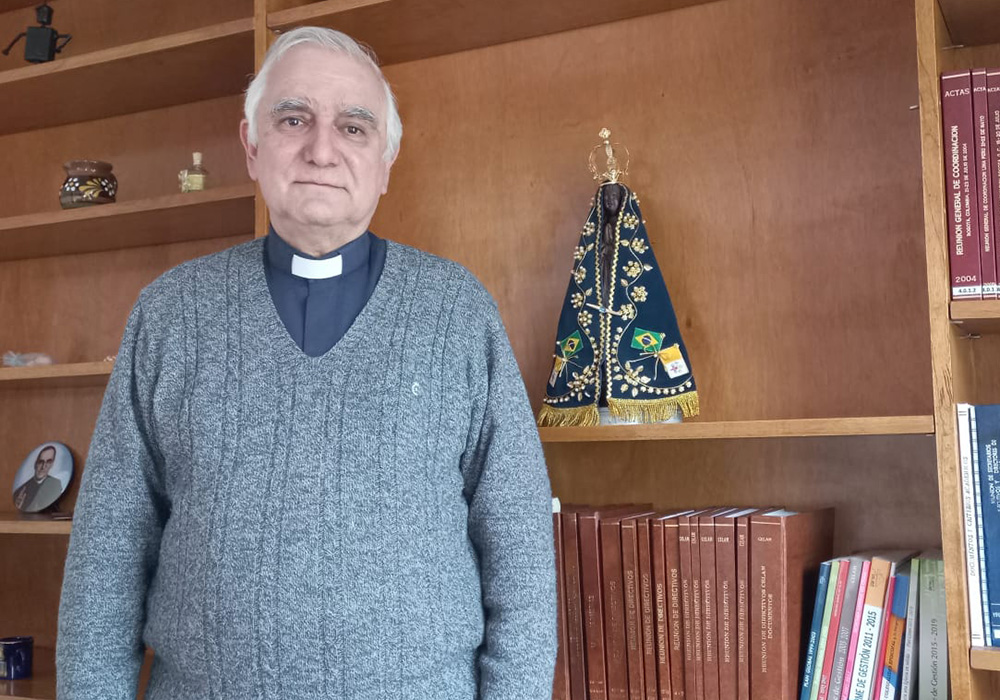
{"x": 985, "y": 658}
{"x": 126, "y": 51}
{"x": 84, "y": 373}
{"x": 800, "y": 427}
{"x": 12, "y": 525}
{"x": 41, "y": 685}
{"x": 305, "y": 13}
{"x": 171, "y": 201}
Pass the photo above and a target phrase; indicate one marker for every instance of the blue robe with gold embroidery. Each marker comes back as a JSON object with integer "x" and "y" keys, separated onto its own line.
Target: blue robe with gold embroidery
{"x": 625, "y": 349}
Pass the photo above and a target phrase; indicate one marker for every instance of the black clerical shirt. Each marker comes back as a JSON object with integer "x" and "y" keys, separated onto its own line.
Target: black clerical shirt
{"x": 317, "y": 312}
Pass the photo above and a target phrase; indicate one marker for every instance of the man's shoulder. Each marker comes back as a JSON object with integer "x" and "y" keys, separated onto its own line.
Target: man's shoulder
{"x": 436, "y": 273}
{"x": 206, "y": 272}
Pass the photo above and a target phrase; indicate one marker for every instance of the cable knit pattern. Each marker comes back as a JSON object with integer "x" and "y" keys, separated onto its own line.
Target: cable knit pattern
{"x": 373, "y": 523}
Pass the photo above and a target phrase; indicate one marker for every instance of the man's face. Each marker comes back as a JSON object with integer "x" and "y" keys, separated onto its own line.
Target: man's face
{"x": 43, "y": 463}
{"x": 321, "y": 138}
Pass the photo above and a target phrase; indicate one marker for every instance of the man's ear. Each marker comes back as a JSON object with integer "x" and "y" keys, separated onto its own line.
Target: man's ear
{"x": 249, "y": 148}
{"x": 388, "y": 168}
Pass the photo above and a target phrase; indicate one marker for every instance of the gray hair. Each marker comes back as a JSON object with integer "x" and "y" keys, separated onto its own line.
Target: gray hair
{"x": 335, "y": 41}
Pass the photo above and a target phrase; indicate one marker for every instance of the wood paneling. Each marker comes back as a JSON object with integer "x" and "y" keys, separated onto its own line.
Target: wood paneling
{"x": 146, "y": 75}
{"x": 407, "y": 30}
{"x": 32, "y": 575}
{"x": 146, "y": 149}
{"x": 882, "y": 487}
{"x": 784, "y": 207}
{"x": 972, "y": 22}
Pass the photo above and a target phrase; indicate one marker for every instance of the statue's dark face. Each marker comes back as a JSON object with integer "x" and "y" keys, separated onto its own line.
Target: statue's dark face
{"x": 612, "y": 197}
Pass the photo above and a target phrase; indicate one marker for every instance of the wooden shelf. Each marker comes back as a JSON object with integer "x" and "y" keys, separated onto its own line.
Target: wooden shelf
{"x": 407, "y": 30}
{"x": 14, "y": 524}
{"x": 41, "y": 685}
{"x": 985, "y": 658}
{"x": 214, "y": 213}
{"x": 67, "y": 375}
{"x": 802, "y": 427}
{"x": 186, "y": 67}
{"x": 11, "y": 5}
{"x": 972, "y": 22}
{"x": 979, "y": 317}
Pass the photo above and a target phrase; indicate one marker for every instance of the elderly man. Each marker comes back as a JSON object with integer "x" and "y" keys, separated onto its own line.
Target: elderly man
{"x": 315, "y": 473}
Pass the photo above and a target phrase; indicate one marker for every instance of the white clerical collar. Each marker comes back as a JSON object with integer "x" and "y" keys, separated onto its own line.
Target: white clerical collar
{"x": 317, "y": 269}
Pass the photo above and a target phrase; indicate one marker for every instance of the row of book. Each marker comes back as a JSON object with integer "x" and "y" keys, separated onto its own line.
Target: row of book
{"x": 978, "y": 439}
{"x": 970, "y": 114}
{"x": 697, "y": 604}
{"x": 878, "y": 629}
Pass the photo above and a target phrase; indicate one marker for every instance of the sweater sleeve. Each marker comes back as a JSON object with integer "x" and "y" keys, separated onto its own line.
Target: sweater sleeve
{"x": 114, "y": 546}
{"x": 510, "y": 525}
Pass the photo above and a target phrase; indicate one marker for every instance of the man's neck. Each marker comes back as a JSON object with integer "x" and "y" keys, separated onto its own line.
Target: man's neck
{"x": 316, "y": 242}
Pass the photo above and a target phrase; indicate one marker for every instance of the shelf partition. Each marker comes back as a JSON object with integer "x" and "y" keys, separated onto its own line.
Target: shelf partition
{"x": 976, "y": 317}
{"x": 11, "y": 524}
{"x": 187, "y": 67}
{"x": 985, "y": 658}
{"x": 407, "y": 30}
{"x": 214, "y": 213}
{"x": 56, "y": 376}
{"x": 800, "y": 427}
{"x": 972, "y": 22}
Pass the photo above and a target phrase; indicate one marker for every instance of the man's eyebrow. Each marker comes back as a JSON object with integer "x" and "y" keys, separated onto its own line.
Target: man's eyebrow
{"x": 362, "y": 113}
{"x": 291, "y": 104}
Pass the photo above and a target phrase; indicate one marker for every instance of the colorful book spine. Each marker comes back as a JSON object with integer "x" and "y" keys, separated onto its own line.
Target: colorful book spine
{"x": 894, "y": 637}
{"x": 846, "y": 626}
{"x": 852, "y": 649}
{"x": 824, "y": 630}
{"x": 833, "y": 625}
{"x": 932, "y": 679}
{"x": 907, "y": 689}
{"x": 819, "y": 606}
{"x": 864, "y": 665}
{"x": 883, "y": 636}
{"x": 972, "y": 518}
{"x": 984, "y": 183}
{"x": 993, "y": 124}
{"x": 986, "y": 424}
{"x": 963, "y": 221}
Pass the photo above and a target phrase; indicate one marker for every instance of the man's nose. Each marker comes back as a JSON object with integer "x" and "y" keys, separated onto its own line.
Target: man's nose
{"x": 324, "y": 146}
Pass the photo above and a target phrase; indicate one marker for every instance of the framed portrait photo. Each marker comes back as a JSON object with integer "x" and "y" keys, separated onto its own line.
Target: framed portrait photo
{"x": 43, "y": 477}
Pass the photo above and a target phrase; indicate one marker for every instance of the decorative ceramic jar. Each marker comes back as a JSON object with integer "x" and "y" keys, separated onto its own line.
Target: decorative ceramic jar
{"x": 87, "y": 182}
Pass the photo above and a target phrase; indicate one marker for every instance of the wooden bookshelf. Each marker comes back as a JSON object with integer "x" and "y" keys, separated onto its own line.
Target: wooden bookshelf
{"x": 976, "y": 317}
{"x": 41, "y": 685}
{"x": 184, "y": 67}
{"x": 61, "y": 376}
{"x": 408, "y": 30}
{"x": 13, "y": 524}
{"x": 972, "y": 22}
{"x": 213, "y": 213}
{"x": 721, "y": 430}
{"x": 985, "y": 659}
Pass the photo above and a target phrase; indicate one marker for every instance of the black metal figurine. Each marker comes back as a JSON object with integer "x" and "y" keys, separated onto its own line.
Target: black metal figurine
{"x": 42, "y": 43}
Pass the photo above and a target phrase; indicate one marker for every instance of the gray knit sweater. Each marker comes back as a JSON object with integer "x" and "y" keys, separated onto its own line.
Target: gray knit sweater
{"x": 373, "y": 523}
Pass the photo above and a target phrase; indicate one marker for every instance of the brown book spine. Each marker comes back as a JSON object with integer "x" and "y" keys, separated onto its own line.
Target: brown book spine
{"x": 697, "y": 603}
{"x": 706, "y": 542}
{"x": 649, "y": 644}
{"x": 783, "y": 550}
{"x": 560, "y": 681}
{"x": 687, "y": 603}
{"x": 675, "y": 613}
{"x": 574, "y": 609}
{"x": 743, "y": 608}
{"x": 660, "y": 585}
{"x": 725, "y": 598}
{"x": 592, "y": 605}
{"x": 633, "y": 610}
{"x": 614, "y": 610}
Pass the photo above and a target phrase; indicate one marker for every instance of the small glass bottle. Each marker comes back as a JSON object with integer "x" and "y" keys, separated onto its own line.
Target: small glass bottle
{"x": 192, "y": 179}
